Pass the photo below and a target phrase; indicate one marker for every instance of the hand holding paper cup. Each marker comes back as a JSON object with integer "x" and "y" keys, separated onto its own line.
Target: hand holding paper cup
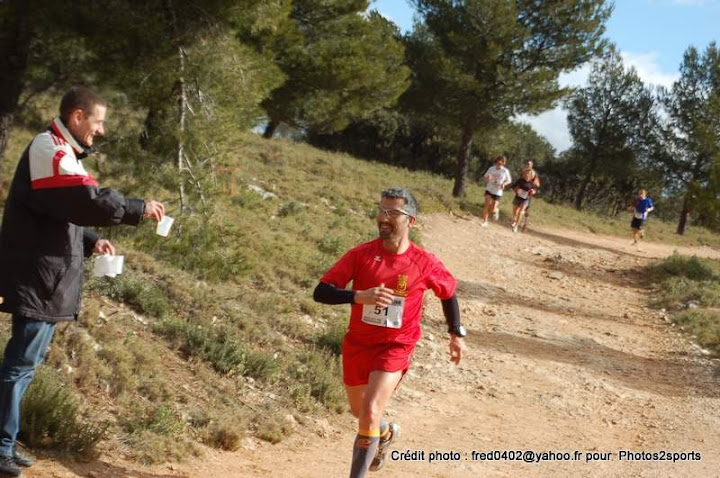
{"x": 163, "y": 226}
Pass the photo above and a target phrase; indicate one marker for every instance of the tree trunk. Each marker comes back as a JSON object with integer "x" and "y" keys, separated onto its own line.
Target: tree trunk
{"x": 582, "y": 190}
{"x": 684, "y": 214}
{"x": 15, "y": 35}
{"x": 180, "y": 91}
{"x": 580, "y": 196}
{"x": 463, "y": 160}
{"x": 270, "y": 129}
{"x": 182, "y": 104}
{"x": 5, "y": 123}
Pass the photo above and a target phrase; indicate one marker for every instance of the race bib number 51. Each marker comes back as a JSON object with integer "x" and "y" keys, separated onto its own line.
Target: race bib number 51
{"x": 390, "y": 316}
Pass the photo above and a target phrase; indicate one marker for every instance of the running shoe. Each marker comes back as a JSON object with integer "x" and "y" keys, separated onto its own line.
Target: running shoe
{"x": 496, "y": 215}
{"x": 384, "y": 447}
{"x": 484, "y": 224}
{"x": 515, "y": 227}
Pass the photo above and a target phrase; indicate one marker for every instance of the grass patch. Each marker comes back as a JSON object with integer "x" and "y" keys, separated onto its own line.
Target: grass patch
{"x": 331, "y": 339}
{"x": 703, "y": 325}
{"x": 689, "y": 288}
{"x": 219, "y": 347}
{"x": 317, "y": 380}
{"x": 51, "y": 418}
{"x": 273, "y": 427}
{"x": 692, "y": 268}
{"x": 140, "y": 294}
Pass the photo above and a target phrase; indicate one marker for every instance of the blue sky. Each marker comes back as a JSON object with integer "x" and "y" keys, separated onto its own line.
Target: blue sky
{"x": 652, "y": 36}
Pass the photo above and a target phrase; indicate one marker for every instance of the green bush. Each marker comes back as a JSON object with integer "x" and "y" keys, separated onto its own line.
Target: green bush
{"x": 331, "y": 339}
{"x": 225, "y": 436}
{"x": 261, "y": 365}
{"x": 682, "y": 279}
{"x": 50, "y": 418}
{"x": 291, "y": 208}
{"x": 704, "y": 325}
{"x": 160, "y": 420}
{"x": 320, "y": 379}
{"x": 142, "y": 295}
{"x": 219, "y": 346}
{"x": 332, "y": 245}
{"x": 691, "y": 286}
{"x": 677, "y": 265}
{"x": 273, "y": 427}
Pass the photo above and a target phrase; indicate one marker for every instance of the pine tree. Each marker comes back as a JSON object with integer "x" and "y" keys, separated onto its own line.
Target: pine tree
{"x": 613, "y": 125}
{"x": 477, "y": 63}
{"x": 693, "y": 107}
{"x": 340, "y": 64}
{"x": 181, "y": 61}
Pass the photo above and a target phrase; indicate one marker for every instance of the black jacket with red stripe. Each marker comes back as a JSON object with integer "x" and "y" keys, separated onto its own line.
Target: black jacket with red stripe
{"x": 42, "y": 238}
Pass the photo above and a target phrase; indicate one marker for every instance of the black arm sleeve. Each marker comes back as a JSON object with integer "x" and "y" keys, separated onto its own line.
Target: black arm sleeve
{"x": 329, "y": 294}
{"x": 87, "y": 206}
{"x": 451, "y": 310}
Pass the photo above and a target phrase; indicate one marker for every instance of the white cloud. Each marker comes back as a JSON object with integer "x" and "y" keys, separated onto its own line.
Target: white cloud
{"x": 385, "y": 15}
{"x": 648, "y": 69}
{"x": 553, "y": 124}
{"x": 576, "y": 77}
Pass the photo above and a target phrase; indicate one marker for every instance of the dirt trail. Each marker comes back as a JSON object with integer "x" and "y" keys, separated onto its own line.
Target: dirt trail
{"x": 565, "y": 357}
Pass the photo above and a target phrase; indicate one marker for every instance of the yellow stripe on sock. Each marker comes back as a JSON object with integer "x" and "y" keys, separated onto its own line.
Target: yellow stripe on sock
{"x": 369, "y": 433}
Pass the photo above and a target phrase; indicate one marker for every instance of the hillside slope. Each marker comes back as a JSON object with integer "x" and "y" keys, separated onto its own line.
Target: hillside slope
{"x": 564, "y": 356}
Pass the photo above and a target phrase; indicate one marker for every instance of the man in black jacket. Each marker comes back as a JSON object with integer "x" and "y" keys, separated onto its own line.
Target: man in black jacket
{"x": 43, "y": 242}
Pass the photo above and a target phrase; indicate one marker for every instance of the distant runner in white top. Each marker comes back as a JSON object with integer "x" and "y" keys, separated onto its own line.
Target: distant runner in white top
{"x": 497, "y": 178}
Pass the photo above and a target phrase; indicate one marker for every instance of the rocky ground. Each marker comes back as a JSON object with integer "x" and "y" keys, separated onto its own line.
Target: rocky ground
{"x": 567, "y": 364}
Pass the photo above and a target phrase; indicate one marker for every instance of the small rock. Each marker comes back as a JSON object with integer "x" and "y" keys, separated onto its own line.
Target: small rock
{"x": 261, "y": 192}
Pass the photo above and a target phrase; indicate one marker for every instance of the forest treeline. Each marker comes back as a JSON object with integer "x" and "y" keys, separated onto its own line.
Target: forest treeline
{"x": 444, "y": 97}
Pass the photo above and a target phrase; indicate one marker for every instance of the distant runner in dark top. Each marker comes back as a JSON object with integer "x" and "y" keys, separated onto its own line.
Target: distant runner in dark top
{"x": 641, "y": 207}
{"x": 524, "y": 189}
{"x": 530, "y": 165}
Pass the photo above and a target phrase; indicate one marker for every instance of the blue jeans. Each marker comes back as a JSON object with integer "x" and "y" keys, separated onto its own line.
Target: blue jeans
{"x": 24, "y": 352}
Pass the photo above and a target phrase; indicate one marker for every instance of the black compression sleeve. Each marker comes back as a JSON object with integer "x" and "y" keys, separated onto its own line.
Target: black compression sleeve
{"x": 329, "y": 294}
{"x": 451, "y": 310}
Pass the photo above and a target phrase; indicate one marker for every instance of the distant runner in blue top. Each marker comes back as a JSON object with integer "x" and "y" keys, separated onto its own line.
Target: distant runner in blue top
{"x": 642, "y": 206}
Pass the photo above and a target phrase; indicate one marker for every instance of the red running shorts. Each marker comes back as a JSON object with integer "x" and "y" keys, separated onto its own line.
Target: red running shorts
{"x": 359, "y": 360}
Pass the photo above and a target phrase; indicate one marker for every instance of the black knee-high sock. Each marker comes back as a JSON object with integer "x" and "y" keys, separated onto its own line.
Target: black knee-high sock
{"x": 363, "y": 453}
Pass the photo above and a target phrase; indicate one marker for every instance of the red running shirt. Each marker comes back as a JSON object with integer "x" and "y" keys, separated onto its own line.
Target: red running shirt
{"x": 409, "y": 274}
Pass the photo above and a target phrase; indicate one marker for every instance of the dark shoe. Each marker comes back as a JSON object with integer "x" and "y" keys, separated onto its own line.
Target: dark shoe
{"x": 22, "y": 459}
{"x": 8, "y": 467}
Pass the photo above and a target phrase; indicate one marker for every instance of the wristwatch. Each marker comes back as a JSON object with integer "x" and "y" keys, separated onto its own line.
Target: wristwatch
{"x": 459, "y": 330}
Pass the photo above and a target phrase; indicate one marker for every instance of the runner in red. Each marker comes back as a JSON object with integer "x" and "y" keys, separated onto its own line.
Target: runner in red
{"x": 389, "y": 276}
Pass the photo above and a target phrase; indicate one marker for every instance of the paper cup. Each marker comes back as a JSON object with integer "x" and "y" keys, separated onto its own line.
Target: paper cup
{"x": 163, "y": 227}
{"x": 101, "y": 265}
{"x": 117, "y": 264}
{"x": 107, "y": 265}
